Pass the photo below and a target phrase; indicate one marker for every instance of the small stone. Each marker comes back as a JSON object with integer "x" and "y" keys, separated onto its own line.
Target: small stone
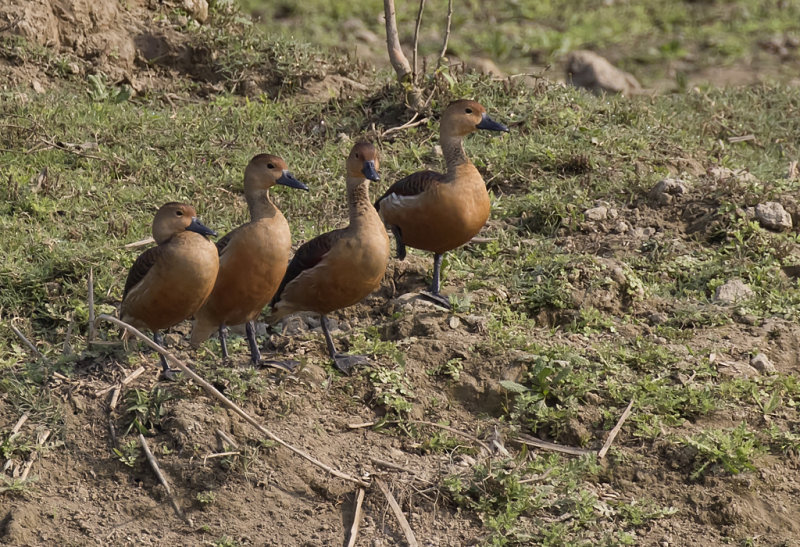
{"x": 723, "y": 173}
{"x": 733, "y": 291}
{"x": 74, "y": 68}
{"x": 657, "y": 318}
{"x": 37, "y": 86}
{"x": 591, "y": 71}
{"x": 343, "y": 137}
{"x": 438, "y": 150}
{"x": 454, "y": 322}
{"x": 666, "y": 191}
{"x": 596, "y": 213}
{"x": 621, "y": 227}
{"x": 773, "y": 216}
{"x": 313, "y": 374}
{"x": 736, "y": 369}
{"x": 198, "y": 9}
{"x": 761, "y": 363}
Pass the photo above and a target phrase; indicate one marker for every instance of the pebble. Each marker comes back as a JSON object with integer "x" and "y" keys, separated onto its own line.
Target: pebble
{"x": 666, "y": 191}
{"x": 733, "y": 291}
{"x": 596, "y": 213}
{"x": 761, "y": 363}
{"x": 773, "y": 216}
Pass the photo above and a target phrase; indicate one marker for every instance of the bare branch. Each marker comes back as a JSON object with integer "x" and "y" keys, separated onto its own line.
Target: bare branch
{"x": 356, "y": 518}
{"x": 614, "y": 432}
{"x": 90, "y": 297}
{"x": 415, "y": 74}
{"x": 396, "y": 55}
{"x": 211, "y": 390}
{"x": 401, "y": 518}
{"x": 154, "y": 464}
{"x": 446, "y": 31}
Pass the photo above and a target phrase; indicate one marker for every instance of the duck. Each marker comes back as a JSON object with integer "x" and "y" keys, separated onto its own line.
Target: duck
{"x": 439, "y": 212}
{"x": 171, "y": 281}
{"x": 252, "y": 258}
{"x": 339, "y": 268}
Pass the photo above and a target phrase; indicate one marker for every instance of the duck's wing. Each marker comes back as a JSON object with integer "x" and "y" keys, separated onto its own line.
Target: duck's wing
{"x": 412, "y": 185}
{"x": 140, "y": 267}
{"x": 222, "y": 243}
{"x": 307, "y": 256}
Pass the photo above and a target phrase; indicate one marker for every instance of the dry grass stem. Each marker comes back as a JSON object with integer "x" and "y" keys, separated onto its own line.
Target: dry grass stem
{"x": 211, "y": 390}
{"x": 132, "y": 376}
{"x": 415, "y": 74}
{"x": 90, "y": 298}
{"x": 115, "y": 397}
{"x": 223, "y": 437}
{"x": 154, "y": 464}
{"x": 398, "y": 513}
{"x": 356, "y": 518}
{"x": 614, "y": 432}
{"x": 544, "y": 445}
{"x": 25, "y": 340}
{"x": 140, "y": 243}
{"x": 41, "y": 439}
{"x": 446, "y": 31}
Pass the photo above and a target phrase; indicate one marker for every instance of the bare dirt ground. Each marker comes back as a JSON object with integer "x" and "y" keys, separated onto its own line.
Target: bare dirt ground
{"x": 85, "y": 495}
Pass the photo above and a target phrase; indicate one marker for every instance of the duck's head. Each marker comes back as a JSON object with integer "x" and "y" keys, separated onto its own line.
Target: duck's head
{"x": 173, "y": 218}
{"x": 363, "y": 162}
{"x": 464, "y": 117}
{"x": 265, "y": 171}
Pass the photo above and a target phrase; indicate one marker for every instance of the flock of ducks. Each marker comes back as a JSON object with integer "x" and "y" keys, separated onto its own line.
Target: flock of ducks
{"x": 230, "y": 283}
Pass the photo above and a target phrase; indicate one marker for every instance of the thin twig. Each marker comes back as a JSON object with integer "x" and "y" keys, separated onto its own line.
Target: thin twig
{"x": 90, "y": 297}
{"x": 132, "y": 376}
{"x": 414, "y": 74}
{"x": 392, "y": 465}
{"x": 446, "y": 32}
{"x": 115, "y": 397}
{"x": 401, "y": 518}
{"x": 154, "y": 464}
{"x": 211, "y": 390}
{"x": 409, "y": 124}
{"x": 67, "y": 348}
{"x": 423, "y": 422}
{"x": 222, "y": 435}
{"x": 544, "y": 445}
{"x": 356, "y": 518}
{"x": 19, "y": 424}
{"x": 27, "y": 342}
{"x": 220, "y": 455}
{"x": 39, "y": 442}
{"x": 614, "y": 432}
{"x": 140, "y": 243}
{"x": 11, "y": 24}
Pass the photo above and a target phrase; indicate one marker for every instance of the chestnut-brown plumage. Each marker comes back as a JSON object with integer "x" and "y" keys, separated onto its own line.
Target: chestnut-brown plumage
{"x": 339, "y": 268}
{"x": 170, "y": 282}
{"x": 439, "y": 212}
{"x": 252, "y": 257}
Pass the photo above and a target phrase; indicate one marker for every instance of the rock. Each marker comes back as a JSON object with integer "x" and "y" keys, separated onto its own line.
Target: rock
{"x": 484, "y": 66}
{"x": 454, "y": 322}
{"x": 596, "y": 213}
{"x": 773, "y": 216}
{"x": 198, "y": 9}
{"x": 723, "y": 173}
{"x": 657, "y": 318}
{"x": 736, "y": 369}
{"x": 37, "y": 86}
{"x": 313, "y": 374}
{"x": 621, "y": 227}
{"x": 733, "y": 291}
{"x": 591, "y": 71}
{"x": 761, "y": 363}
{"x": 666, "y": 191}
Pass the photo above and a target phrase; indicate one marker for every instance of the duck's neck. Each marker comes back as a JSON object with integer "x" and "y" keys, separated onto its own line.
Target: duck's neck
{"x": 453, "y": 151}
{"x": 361, "y": 209}
{"x": 260, "y": 205}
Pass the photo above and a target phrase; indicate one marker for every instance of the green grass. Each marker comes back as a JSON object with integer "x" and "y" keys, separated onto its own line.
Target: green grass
{"x": 575, "y": 298}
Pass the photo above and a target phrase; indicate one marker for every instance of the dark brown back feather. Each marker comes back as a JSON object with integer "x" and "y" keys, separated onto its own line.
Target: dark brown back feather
{"x": 412, "y": 185}
{"x": 307, "y": 256}
{"x": 224, "y": 240}
{"x": 140, "y": 268}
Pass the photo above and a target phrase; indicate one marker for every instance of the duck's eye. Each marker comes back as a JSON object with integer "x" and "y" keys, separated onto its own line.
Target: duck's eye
{"x": 358, "y": 157}
{"x": 270, "y": 166}
{"x": 468, "y": 111}
{"x": 179, "y": 213}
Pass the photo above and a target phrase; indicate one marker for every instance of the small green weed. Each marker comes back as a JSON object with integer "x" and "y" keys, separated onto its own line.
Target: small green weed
{"x": 733, "y": 449}
{"x": 145, "y": 409}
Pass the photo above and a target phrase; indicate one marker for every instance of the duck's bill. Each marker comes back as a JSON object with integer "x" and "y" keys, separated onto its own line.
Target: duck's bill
{"x": 370, "y": 172}
{"x": 491, "y": 125}
{"x": 287, "y": 179}
{"x": 200, "y": 228}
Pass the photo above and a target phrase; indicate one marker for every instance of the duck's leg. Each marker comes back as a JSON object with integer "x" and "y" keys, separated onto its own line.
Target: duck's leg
{"x": 255, "y": 355}
{"x": 166, "y": 372}
{"x": 433, "y": 294}
{"x": 223, "y": 342}
{"x": 343, "y": 362}
{"x": 398, "y": 238}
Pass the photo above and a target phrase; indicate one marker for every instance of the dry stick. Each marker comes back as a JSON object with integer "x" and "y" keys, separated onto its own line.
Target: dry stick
{"x": 220, "y": 455}
{"x": 19, "y": 424}
{"x": 211, "y": 390}
{"x": 42, "y": 438}
{"x": 132, "y": 376}
{"x": 423, "y": 422}
{"x": 614, "y": 432}
{"x": 396, "y": 55}
{"x": 67, "y": 349}
{"x": 161, "y": 478}
{"x": 90, "y": 297}
{"x": 409, "y": 124}
{"x": 222, "y": 435}
{"x": 140, "y": 243}
{"x": 414, "y": 74}
{"x": 538, "y": 443}
{"x": 401, "y": 518}
{"x": 114, "y": 397}
{"x": 27, "y": 342}
{"x": 356, "y": 518}
{"x": 391, "y": 465}
{"x": 446, "y": 32}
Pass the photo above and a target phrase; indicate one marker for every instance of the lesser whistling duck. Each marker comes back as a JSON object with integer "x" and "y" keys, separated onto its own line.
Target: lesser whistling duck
{"x": 252, "y": 258}
{"x": 438, "y": 212}
{"x": 170, "y": 282}
{"x": 339, "y": 268}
